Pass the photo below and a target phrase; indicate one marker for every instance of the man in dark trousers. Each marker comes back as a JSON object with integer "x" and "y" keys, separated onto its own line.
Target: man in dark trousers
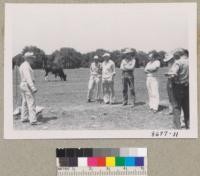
{"x": 179, "y": 73}
{"x": 127, "y": 66}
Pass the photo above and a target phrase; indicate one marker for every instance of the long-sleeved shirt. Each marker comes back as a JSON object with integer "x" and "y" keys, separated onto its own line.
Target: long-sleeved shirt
{"x": 96, "y": 69}
{"x": 152, "y": 67}
{"x": 180, "y": 69}
{"x": 127, "y": 66}
{"x": 27, "y": 75}
{"x": 108, "y": 69}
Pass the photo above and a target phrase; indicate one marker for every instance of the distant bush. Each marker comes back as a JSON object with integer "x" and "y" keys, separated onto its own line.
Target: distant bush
{"x": 70, "y": 58}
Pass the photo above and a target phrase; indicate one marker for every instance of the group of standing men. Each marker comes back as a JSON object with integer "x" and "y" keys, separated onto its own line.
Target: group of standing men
{"x": 103, "y": 74}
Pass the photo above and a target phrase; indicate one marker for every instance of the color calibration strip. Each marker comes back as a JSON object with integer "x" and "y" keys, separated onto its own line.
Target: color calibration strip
{"x": 101, "y": 161}
{"x": 101, "y": 157}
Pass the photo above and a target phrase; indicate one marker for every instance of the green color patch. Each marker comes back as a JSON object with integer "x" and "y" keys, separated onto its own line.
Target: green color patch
{"x": 120, "y": 161}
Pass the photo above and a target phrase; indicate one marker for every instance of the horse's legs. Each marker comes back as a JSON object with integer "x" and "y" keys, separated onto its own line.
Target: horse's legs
{"x": 46, "y": 76}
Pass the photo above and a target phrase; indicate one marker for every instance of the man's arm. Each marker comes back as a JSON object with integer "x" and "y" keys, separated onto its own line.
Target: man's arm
{"x": 130, "y": 66}
{"x": 29, "y": 80}
{"x": 122, "y": 65}
{"x": 153, "y": 67}
{"x": 113, "y": 69}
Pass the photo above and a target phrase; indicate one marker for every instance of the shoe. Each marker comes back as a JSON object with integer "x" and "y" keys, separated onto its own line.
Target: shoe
{"x": 36, "y": 123}
{"x": 133, "y": 105}
{"x": 125, "y": 103}
{"x": 24, "y": 120}
{"x": 89, "y": 101}
{"x": 155, "y": 111}
{"x": 107, "y": 102}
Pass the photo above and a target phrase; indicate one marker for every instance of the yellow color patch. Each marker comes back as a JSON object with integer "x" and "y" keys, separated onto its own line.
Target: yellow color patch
{"x": 110, "y": 161}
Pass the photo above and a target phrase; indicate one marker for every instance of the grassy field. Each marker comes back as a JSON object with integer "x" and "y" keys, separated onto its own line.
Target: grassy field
{"x": 66, "y": 107}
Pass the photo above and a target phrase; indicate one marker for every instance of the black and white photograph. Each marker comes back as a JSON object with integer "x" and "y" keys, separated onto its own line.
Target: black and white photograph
{"x": 124, "y": 70}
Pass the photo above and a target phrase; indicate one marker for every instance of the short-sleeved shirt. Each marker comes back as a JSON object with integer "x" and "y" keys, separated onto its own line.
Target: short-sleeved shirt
{"x": 152, "y": 67}
{"x": 96, "y": 69}
{"x": 108, "y": 69}
{"x": 180, "y": 69}
{"x": 127, "y": 67}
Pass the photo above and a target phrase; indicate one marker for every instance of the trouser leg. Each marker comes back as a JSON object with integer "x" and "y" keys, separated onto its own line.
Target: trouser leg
{"x": 112, "y": 91}
{"x": 132, "y": 89}
{"x": 31, "y": 107}
{"x": 98, "y": 84}
{"x": 154, "y": 94}
{"x": 177, "y": 107}
{"x": 125, "y": 90}
{"x": 185, "y": 106}
{"x": 90, "y": 88}
{"x": 105, "y": 91}
{"x": 24, "y": 109}
{"x": 149, "y": 90}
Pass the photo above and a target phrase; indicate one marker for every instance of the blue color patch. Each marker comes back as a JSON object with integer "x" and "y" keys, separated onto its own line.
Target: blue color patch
{"x": 129, "y": 161}
{"x": 139, "y": 161}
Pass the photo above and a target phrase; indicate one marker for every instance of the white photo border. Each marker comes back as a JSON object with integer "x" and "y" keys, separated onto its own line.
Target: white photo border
{"x": 11, "y": 133}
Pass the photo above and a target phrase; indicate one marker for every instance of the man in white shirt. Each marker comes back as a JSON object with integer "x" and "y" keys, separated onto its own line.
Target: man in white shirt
{"x": 152, "y": 84}
{"x": 108, "y": 73}
{"x": 127, "y": 66}
{"x": 95, "y": 79}
{"x": 28, "y": 90}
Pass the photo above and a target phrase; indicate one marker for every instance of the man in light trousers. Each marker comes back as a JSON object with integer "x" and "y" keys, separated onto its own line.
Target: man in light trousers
{"x": 108, "y": 73}
{"x": 28, "y": 90}
{"x": 95, "y": 79}
{"x": 127, "y": 66}
{"x": 152, "y": 83}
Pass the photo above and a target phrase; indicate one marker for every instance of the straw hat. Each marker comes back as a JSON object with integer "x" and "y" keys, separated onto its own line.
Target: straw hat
{"x": 169, "y": 56}
{"x": 127, "y": 51}
{"x": 106, "y": 55}
{"x": 29, "y": 54}
{"x": 179, "y": 52}
{"x": 96, "y": 57}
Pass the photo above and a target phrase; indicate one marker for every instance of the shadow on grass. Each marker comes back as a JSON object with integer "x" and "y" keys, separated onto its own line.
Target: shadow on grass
{"x": 140, "y": 103}
{"x": 46, "y": 119}
{"x": 162, "y": 107}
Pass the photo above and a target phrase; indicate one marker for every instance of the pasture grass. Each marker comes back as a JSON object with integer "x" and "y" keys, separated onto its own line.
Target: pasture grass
{"x": 66, "y": 107}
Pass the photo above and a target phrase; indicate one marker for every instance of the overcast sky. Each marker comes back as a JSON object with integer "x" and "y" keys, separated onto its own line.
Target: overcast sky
{"x": 88, "y": 27}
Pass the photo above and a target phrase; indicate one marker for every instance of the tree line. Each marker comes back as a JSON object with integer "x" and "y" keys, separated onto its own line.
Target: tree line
{"x": 70, "y": 58}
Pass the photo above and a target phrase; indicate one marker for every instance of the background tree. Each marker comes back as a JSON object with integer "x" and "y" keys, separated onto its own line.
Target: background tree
{"x": 40, "y": 56}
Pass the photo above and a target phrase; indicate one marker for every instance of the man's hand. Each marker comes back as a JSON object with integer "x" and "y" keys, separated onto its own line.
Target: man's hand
{"x": 35, "y": 90}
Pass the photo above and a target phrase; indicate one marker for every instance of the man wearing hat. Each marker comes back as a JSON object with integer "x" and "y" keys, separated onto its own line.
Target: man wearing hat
{"x": 127, "y": 66}
{"x": 152, "y": 83}
{"x": 95, "y": 79}
{"x": 169, "y": 58}
{"x": 28, "y": 90}
{"x": 179, "y": 73}
{"x": 108, "y": 73}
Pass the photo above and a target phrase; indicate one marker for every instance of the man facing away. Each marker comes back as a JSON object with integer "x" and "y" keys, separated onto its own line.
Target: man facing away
{"x": 108, "y": 73}
{"x": 127, "y": 66}
{"x": 28, "y": 90}
{"x": 95, "y": 79}
{"x": 179, "y": 74}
